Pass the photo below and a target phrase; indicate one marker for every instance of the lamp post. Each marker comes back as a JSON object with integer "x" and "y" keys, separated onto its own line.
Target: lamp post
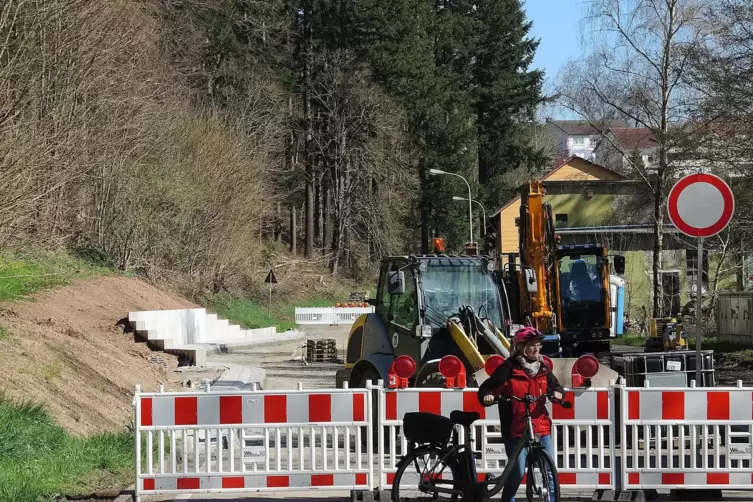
{"x": 483, "y": 209}
{"x": 435, "y": 172}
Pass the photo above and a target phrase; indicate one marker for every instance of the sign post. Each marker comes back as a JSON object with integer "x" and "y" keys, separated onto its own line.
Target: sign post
{"x": 700, "y": 206}
{"x": 271, "y": 279}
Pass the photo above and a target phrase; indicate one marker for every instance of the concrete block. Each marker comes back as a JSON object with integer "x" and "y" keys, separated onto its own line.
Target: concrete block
{"x": 241, "y": 378}
{"x": 191, "y": 332}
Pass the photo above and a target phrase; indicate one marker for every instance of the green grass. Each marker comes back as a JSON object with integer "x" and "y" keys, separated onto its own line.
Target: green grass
{"x": 631, "y": 340}
{"x": 4, "y": 333}
{"x": 250, "y": 314}
{"x": 25, "y": 273}
{"x": 39, "y": 460}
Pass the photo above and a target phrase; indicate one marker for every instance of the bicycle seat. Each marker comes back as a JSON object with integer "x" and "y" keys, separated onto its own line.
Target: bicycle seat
{"x": 464, "y": 418}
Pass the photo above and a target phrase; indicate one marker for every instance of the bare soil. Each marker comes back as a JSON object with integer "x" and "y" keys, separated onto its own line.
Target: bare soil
{"x": 729, "y": 368}
{"x": 68, "y": 349}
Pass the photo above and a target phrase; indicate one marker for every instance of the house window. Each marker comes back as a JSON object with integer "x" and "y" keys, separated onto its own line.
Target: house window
{"x": 579, "y": 141}
{"x": 560, "y": 218}
{"x": 691, "y": 270}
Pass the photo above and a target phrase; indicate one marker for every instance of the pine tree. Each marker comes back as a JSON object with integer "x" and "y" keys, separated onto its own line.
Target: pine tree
{"x": 507, "y": 92}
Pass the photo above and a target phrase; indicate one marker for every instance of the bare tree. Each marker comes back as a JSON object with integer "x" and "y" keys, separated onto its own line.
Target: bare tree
{"x": 358, "y": 142}
{"x": 635, "y": 69}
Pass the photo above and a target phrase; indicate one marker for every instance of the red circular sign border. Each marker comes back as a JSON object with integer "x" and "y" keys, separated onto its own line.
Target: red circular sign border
{"x": 711, "y": 230}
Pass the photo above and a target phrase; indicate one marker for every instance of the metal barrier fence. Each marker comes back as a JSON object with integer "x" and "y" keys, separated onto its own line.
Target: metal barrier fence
{"x": 229, "y": 442}
{"x": 688, "y": 438}
{"x": 329, "y": 315}
{"x": 583, "y": 435}
{"x": 621, "y": 438}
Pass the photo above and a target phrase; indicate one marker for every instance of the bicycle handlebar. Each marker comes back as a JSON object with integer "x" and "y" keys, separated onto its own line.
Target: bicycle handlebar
{"x": 530, "y": 399}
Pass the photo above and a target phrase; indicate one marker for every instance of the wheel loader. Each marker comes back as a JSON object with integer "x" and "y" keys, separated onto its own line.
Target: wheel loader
{"x": 428, "y": 309}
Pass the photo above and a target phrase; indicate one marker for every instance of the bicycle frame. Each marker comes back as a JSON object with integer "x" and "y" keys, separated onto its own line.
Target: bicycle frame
{"x": 529, "y": 441}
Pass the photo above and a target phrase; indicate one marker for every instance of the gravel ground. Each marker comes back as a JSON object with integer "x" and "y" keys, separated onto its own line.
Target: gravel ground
{"x": 283, "y": 363}
{"x": 283, "y": 360}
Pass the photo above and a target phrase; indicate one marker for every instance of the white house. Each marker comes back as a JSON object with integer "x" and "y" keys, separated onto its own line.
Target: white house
{"x": 578, "y": 137}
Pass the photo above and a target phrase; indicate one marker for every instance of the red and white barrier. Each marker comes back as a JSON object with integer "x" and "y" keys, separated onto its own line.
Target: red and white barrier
{"x": 299, "y": 440}
{"x": 687, "y": 437}
{"x": 582, "y": 435}
{"x": 253, "y": 441}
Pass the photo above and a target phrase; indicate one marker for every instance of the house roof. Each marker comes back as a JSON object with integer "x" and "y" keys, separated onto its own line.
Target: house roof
{"x": 633, "y": 138}
{"x": 584, "y": 127}
{"x": 559, "y": 166}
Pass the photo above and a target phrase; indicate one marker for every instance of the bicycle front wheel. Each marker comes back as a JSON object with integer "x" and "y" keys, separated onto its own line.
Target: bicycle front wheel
{"x": 425, "y": 463}
{"x": 542, "y": 484}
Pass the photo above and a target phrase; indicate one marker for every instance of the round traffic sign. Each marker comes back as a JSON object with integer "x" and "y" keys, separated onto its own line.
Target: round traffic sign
{"x": 700, "y": 205}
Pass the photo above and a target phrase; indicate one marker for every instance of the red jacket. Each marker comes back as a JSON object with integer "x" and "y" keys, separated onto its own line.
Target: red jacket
{"x": 511, "y": 380}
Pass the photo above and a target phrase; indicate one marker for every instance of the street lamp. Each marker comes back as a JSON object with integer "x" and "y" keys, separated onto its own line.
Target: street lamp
{"x": 435, "y": 172}
{"x": 483, "y": 209}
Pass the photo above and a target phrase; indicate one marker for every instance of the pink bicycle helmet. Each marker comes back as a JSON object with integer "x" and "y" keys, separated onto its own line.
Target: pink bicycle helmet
{"x": 527, "y": 334}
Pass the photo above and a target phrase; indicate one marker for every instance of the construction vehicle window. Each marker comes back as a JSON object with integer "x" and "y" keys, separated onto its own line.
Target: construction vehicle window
{"x": 581, "y": 278}
{"x": 581, "y": 290}
{"x": 451, "y": 283}
{"x": 404, "y": 308}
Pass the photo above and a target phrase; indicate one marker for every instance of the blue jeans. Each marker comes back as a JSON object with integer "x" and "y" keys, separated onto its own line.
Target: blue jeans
{"x": 508, "y": 492}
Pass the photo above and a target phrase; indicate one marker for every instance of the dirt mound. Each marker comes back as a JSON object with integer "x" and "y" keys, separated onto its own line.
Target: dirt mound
{"x": 66, "y": 350}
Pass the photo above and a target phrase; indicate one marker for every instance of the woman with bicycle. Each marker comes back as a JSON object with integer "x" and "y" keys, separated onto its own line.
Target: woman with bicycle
{"x": 524, "y": 372}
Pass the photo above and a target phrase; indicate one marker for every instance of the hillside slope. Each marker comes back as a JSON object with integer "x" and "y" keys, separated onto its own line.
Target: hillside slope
{"x": 65, "y": 349}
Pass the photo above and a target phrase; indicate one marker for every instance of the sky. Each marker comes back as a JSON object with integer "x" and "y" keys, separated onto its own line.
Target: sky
{"x": 555, "y": 24}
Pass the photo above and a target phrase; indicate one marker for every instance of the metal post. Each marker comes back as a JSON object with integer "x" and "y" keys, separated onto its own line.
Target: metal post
{"x": 470, "y": 210}
{"x": 269, "y": 306}
{"x": 698, "y": 314}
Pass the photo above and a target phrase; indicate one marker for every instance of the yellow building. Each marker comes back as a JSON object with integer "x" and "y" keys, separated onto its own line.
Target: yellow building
{"x": 568, "y": 209}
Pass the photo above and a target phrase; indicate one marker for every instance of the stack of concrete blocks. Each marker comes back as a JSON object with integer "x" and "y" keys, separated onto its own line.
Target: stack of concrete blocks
{"x": 191, "y": 332}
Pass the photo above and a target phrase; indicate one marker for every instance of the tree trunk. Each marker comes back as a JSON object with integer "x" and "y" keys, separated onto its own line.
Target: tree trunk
{"x": 320, "y": 195}
{"x": 659, "y": 231}
{"x": 656, "y": 268}
{"x": 328, "y": 224}
{"x": 278, "y": 237}
{"x": 425, "y": 197}
{"x": 308, "y": 117}
{"x": 293, "y": 231}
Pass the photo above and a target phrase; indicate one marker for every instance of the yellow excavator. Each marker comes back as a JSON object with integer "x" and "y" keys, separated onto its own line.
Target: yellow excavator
{"x": 562, "y": 290}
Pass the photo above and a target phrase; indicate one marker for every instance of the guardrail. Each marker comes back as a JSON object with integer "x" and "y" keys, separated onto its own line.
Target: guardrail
{"x": 329, "y": 315}
{"x": 237, "y": 441}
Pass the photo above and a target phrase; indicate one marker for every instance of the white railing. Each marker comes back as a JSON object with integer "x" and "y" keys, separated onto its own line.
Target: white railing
{"x": 330, "y": 315}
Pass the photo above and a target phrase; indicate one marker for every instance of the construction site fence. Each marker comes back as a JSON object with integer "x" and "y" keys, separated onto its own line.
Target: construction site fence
{"x": 330, "y": 316}
{"x": 613, "y": 438}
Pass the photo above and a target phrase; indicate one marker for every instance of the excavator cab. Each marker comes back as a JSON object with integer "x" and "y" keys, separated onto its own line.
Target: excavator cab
{"x": 584, "y": 305}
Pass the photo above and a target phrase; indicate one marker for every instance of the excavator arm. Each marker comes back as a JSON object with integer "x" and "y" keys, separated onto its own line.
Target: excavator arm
{"x": 537, "y": 257}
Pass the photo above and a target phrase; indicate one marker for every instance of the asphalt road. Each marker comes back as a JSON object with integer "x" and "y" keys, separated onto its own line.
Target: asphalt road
{"x": 570, "y": 496}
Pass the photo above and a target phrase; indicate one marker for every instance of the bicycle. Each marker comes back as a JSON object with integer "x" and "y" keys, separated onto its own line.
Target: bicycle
{"x": 437, "y": 436}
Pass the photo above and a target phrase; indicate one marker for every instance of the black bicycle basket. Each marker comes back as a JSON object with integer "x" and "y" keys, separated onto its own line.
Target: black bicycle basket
{"x": 425, "y": 427}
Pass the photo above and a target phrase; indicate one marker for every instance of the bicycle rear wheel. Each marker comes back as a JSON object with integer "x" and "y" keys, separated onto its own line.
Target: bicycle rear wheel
{"x": 542, "y": 483}
{"x": 425, "y": 462}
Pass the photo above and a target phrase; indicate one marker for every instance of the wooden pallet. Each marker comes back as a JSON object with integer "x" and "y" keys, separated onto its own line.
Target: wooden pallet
{"x": 321, "y": 351}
